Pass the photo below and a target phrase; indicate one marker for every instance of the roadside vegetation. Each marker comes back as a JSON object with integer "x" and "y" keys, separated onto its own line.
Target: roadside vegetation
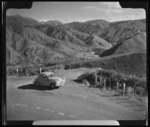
{"x": 112, "y": 80}
{"x": 30, "y": 70}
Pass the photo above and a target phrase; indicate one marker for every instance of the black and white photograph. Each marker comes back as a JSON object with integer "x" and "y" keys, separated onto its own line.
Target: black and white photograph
{"x": 76, "y": 63}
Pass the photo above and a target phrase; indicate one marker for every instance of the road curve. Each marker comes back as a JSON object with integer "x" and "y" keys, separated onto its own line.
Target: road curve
{"x": 34, "y": 104}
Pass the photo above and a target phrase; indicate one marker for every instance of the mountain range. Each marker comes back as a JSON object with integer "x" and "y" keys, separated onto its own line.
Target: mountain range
{"x": 112, "y": 32}
{"x": 30, "y": 41}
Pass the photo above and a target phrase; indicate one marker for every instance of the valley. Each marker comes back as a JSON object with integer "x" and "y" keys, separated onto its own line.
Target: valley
{"x": 70, "y": 50}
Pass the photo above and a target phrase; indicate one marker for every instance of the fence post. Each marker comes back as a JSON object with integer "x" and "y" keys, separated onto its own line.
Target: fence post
{"x": 117, "y": 85}
{"x": 110, "y": 82}
{"x": 104, "y": 87}
{"x": 100, "y": 80}
{"x": 95, "y": 79}
{"x": 124, "y": 88}
{"x": 27, "y": 73}
{"x": 140, "y": 92}
{"x": 17, "y": 71}
{"x": 40, "y": 70}
{"x": 133, "y": 91}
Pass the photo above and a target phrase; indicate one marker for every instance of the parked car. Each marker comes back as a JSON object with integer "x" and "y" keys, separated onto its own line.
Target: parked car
{"x": 49, "y": 79}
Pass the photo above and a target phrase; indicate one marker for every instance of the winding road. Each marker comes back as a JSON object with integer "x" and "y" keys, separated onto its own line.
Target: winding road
{"x": 27, "y": 102}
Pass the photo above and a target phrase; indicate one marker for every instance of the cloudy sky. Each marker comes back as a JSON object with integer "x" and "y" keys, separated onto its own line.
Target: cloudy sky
{"x": 78, "y": 11}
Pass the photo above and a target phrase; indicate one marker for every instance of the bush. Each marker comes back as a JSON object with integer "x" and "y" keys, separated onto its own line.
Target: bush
{"x": 50, "y": 64}
{"x": 87, "y": 76}
{"x": 67, "y": 66}
{"x": 75, "y": 66}
{"x": 31, "y": 71}
{"x": 22, "y": 70}
{"x": 130, "y": 80}
{"x": 11, "y": 71}
{"x": 83, "y": 76}
{"x": 141, "y": 83}
{"x": 116, "y": 77}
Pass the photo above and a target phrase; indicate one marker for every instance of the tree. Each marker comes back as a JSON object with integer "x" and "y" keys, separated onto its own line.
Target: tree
{"x": 116, "y": 77}
{"x": 131, "y": 80}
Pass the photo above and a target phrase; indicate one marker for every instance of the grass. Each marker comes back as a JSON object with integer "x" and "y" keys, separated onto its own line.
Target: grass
{"x": 25, "y": 70}
{"x": 134, "y": 64}
{"x": 139, "y": 83}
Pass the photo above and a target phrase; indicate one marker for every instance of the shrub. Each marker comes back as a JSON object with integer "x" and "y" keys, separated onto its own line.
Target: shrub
{"x": 130, "y": 80}
{"x": 31, "y": 70}
{"x": 11, "y": 71}
{"x": 88, "y": 64}
{"x": 87, "y": 76}
{"x": 77, "y": 65}
{"x": 50, "y": 64}
{"x": 140, "y": 82}
{"x": 67, "y": 66}
{"x": 83, "y": 76}
{"x": 116, "y": 77}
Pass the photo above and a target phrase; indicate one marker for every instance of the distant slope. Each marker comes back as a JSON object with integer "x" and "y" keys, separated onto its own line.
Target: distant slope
{"x": 133, "y": 63}
{"x": 97, "y": 42}
{"x": 119, "y": 31}
{"x": 30, "y": 41}
{"x": 20, "y": 49}
{"x": 27, "y": 40}
{"x": 19, "y": 20}
{"x": 70, "y": 35}
{"x": 90, "y": 27}
{"x": 134, "y": 44}
{"x": 59, "y": 33}
{"x": 53, "y": 23}
{"x": 112, "y": 32}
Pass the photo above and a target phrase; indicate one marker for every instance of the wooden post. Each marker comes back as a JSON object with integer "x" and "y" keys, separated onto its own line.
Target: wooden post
{"x": 17, "y": 71}
{"x": 27, "y": 74}
{"x": 40, "y": 70}
{"x": 117, "y": 85}
{"x": 133, "y": 91}
{"x": 124, "y": 88}
{"x": 95, "y": 79}
{"x": 100, "y": 80}
{"x": 104, "y": 87}
{"x": 110, "y": 82}
{"x": 140, "y": 92}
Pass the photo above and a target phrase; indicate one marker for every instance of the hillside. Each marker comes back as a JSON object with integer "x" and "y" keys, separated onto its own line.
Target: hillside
{"x": 89, "y": 27}
{"x": 133, "y": 63}
{"x": 134, "y": 44}
{"x": 53, "y": 23}
{"x": 112, "y": 32}
{"x": 20, "y": 49}
{"x": 33, "y": 42}
{"x": 28, "y": 41}
{"x": 119, "y": 31}
{"x": 18, "y": 20}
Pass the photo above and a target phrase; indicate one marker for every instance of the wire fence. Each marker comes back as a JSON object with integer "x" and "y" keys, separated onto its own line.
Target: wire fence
{"x": 112, "y": 80}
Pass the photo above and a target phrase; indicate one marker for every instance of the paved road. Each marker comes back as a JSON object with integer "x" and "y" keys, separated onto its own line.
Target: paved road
{"x": 25, "y": 102}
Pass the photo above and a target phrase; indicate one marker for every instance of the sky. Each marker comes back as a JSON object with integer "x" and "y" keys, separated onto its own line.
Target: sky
{"x": 78, "y": 11}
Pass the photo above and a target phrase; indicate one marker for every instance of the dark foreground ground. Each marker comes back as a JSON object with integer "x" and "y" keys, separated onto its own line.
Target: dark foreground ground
{"x": 73, "y": 101}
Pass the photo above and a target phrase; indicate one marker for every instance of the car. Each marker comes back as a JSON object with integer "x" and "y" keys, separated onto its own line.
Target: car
{"x": 49, "y": 79}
